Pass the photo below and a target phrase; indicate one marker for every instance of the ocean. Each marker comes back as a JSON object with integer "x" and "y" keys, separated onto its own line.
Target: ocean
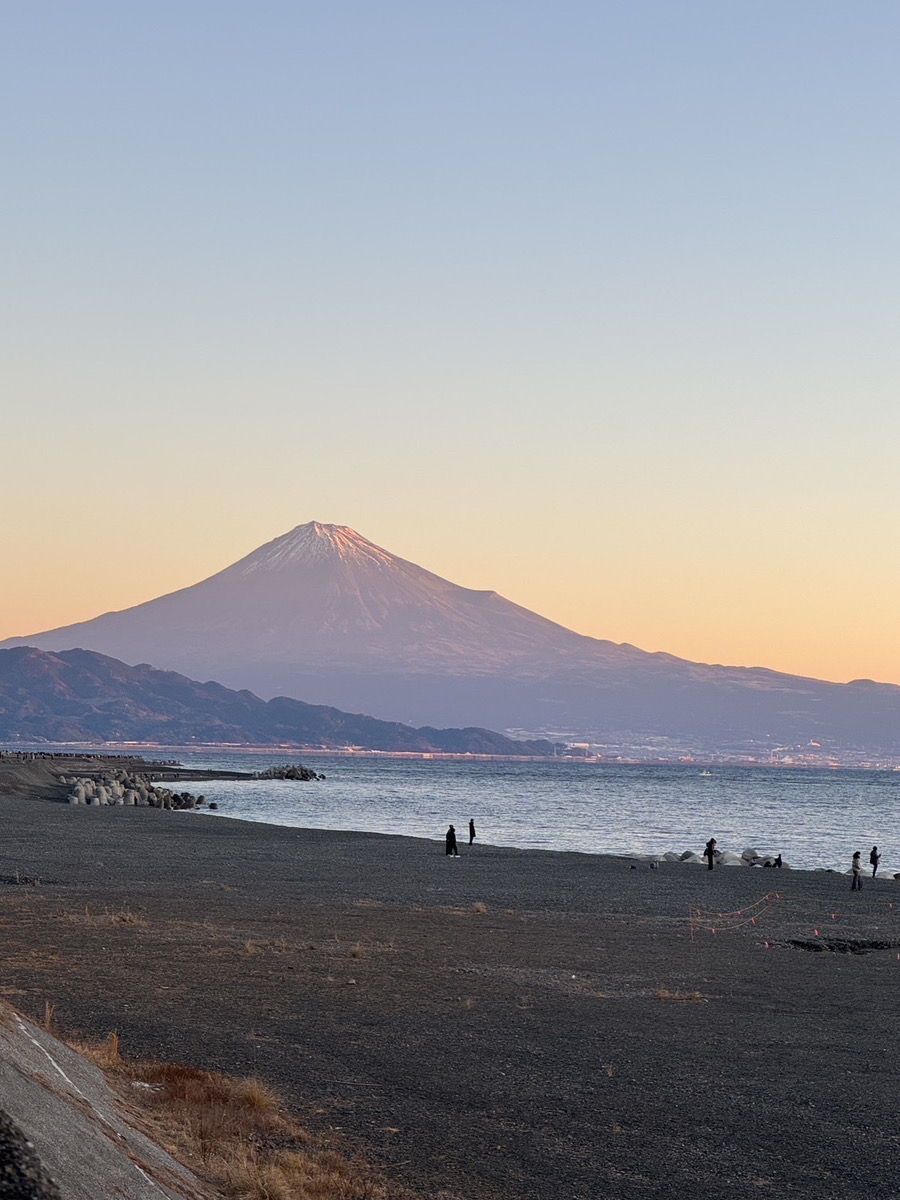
{"x": 813, "y": 818}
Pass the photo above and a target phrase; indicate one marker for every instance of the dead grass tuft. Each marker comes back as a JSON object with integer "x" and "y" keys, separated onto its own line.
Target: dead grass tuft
{"x": 665, "y": 996}
{"x": 237, "y": 1133}
{"x": 109, "y": 916}
{"x": 210, "y": 1109}
{"x": 287, "y": 1175}
{"x": 276, "y": 946}
{"x": 479, "y": 907}
{"x": 104, "y": 1055}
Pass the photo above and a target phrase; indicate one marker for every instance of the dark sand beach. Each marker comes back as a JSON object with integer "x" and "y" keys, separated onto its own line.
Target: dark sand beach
{"x": 512, "y": 1025}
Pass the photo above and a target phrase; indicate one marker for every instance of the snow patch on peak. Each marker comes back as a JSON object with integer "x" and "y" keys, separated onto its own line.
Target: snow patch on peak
{"x": 316, "y": 543}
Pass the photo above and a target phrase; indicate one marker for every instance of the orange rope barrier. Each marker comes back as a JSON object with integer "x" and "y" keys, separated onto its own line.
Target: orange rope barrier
{"x": 723, "y": 922}
{"x": 706, "y": 918}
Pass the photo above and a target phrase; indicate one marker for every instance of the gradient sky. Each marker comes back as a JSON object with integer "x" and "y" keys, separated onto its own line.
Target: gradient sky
{"x": 593, "y": 303}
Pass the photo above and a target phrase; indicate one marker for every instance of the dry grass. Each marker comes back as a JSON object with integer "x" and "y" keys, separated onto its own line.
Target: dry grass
{"x": 236, "y": 1133}
{"x": 675, "y": 997}
{"x": 287, "y": 1175}
{"x": 104, "y": 1055}
{"x": 479, "y": 907}
{"x": 32, "y": 960}
{"x": 109, "y": 916}
{"x": 270, "y": 946}
{"x": 331, "y": 948}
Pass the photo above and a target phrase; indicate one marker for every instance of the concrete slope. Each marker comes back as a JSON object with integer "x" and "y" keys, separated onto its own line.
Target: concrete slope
{"x": 79, "y": 1134}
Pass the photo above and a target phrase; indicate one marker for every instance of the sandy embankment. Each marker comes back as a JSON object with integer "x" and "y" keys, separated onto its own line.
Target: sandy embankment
{"x": 502, "y": 1025}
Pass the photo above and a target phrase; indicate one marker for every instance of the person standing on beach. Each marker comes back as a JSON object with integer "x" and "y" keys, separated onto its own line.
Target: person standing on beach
{"x": 472, "y": 832}
{"x": 710, "y": 852}
{"x": 874, "y": 859}
{"x": 451, "y": 842}
{"x": 857, "y": 869}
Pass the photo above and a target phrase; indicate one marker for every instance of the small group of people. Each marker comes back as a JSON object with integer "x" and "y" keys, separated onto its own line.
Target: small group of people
{"x": 856, "y": 867}
{"x": 451, "y": 847}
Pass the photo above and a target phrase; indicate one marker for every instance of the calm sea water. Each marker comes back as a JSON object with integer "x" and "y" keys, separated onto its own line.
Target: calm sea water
{"x": 813, "y": 818}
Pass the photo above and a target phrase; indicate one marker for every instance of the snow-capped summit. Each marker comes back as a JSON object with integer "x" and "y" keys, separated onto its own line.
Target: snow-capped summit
{"x": 314, "y": 542}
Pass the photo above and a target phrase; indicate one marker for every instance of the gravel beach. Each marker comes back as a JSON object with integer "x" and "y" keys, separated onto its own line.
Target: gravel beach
{"x": 509, "y": 1024}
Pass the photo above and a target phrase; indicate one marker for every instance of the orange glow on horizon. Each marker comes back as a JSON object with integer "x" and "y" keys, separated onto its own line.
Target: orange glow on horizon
{"x": 725, "y": 624}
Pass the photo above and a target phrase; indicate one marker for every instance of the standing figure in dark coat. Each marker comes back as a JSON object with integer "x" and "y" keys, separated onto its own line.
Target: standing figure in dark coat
{"x": 874, "y": 859}
{"x": 710, "y": 852}
{"x": 471, "y": 832}
{"x": 451, "y": 842}
{"x": 856, "y": 868}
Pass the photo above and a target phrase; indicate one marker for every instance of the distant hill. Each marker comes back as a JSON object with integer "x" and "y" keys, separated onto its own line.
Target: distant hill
{"x": 82, "y": 696}
{"x": 324, "y": 614}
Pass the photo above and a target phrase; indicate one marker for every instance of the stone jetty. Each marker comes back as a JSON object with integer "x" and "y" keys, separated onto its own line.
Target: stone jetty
{"x": 123, "y": 787}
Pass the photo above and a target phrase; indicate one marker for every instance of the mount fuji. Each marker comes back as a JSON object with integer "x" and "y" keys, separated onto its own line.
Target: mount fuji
{"x": 325, "y": 615}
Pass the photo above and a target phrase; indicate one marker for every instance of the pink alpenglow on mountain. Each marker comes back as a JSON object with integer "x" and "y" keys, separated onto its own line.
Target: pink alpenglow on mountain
{"x": 324, "y": 615}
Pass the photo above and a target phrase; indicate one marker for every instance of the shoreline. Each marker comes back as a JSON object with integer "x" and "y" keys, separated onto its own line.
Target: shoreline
{"x": 509, "y": 1025}
{"x": 122, "y": 749}
{"x": 640, "y": 858}
{"x": 637, "y": 858}
{"x": 168, "y": 771}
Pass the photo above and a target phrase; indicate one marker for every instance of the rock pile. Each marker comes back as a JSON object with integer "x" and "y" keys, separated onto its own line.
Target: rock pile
{"x": 289, "y": 772}
{"x": 724, "y": 858}
{"x": 124, "y": 788}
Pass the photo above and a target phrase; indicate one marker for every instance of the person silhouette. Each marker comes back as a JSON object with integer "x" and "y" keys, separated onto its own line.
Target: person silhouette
{"x": 857, "y": 868}
{"x": 710, "y": 852}
{"x": 874, "y": 859}
{"x": 451, "y": 842}
{"x": 471, "y": 832}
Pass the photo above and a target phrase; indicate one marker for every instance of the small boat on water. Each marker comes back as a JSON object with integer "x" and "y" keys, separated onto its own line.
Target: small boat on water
{"x": 706, "y": 774}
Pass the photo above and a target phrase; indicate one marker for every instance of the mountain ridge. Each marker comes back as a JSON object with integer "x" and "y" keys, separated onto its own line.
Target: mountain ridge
{"x": 82, "y": 696}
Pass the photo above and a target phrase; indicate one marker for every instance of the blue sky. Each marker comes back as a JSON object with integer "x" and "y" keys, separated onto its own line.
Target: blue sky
{"x": 594, "y": 304}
